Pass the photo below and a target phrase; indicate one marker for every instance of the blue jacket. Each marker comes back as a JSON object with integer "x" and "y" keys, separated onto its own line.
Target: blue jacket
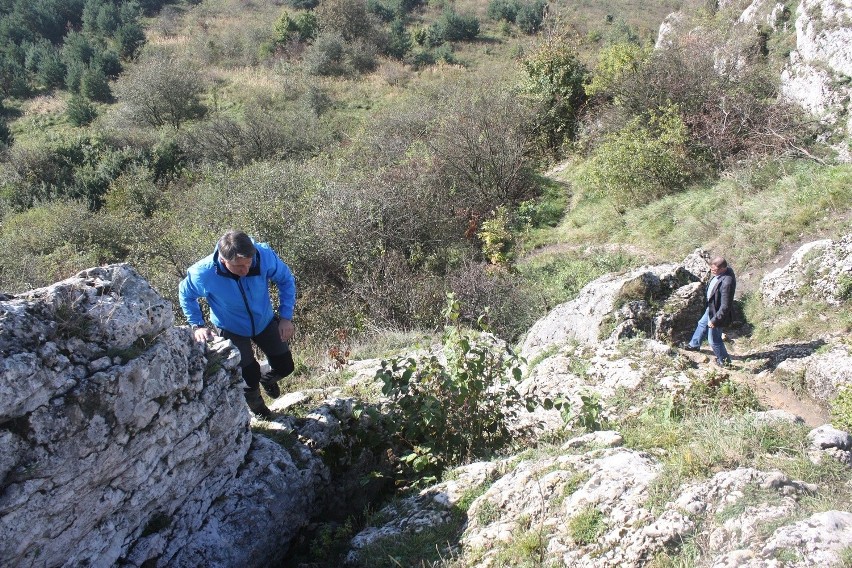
{"x": 240, "y": 305}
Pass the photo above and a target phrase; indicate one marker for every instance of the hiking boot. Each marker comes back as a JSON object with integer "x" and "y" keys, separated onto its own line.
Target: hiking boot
{"x": 690, "y": 347}
{"x": 726, "y": 364}
{"x": 270, "y": 386}
{"x": 256, "y": 404}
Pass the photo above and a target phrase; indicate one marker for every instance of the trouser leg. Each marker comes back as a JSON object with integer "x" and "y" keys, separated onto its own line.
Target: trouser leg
{"x": 715, "y": 338}
{"x": 277, "y": 352}
{"x": 701, "y": 330}
{"x": 251, "y": 373}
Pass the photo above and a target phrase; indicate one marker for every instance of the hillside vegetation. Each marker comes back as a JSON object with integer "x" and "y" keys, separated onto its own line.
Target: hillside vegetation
{"x": 392, "y": 151}
{"x": 428, "y": 165}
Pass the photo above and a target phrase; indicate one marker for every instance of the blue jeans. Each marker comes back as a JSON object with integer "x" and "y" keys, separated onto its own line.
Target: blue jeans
{"x": 714, "y": 337}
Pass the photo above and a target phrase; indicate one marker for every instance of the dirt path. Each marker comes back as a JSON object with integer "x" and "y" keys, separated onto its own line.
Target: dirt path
{"x": 750, "y": 370}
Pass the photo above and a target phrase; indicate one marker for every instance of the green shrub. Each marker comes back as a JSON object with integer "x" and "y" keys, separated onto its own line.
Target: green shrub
{"x": 94, "y": 85}
{"x": 555, "y": 78}
{"x": 530, "y": 16}
{"x": 503, "y": 10}
{"x": 639, "y": 164}
{"x": 160, "y": 91}
{"x": 452, "y": 26}
{"x": 614, "y": 63}
{"x": 497, "y": 239}
{"x": 326, "y": 55}
{"x": 463, "y": 406}
{"x": 80, "y": 111}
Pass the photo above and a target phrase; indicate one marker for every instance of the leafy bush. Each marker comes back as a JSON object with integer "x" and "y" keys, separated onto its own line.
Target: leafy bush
{"x": 530, "y": 16}
{"x": 161, "y": 91}
{"x": 303, "y": 27}
{"x": 640, "y": 163}
{"x": 463, "y": 406}
{"x": 349, "y": 18}
{"x": 555, "y": 78}
{"x": 731, "y": 111}
{"x": 497, "y": 239}
{"x": 615, "y": 63}
{"x": 80, "y": 111}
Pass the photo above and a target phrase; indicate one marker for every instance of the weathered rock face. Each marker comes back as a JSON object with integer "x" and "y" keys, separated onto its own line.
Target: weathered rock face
{"x": 663, "y": 302}
{"x": 821, "y": 374}
{"x": 819, "y": 68}
{"x": 766, "y": 12}
{"x": 124, "y": 441}
{"x": 820, "y": 270}
{"x": 609, "y": 486}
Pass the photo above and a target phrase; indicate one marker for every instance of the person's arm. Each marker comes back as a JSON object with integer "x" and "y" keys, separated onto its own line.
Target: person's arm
{"x": 726, "y": 297}
{"x": 189, "y": 296}
{"x": 281, "y": 274}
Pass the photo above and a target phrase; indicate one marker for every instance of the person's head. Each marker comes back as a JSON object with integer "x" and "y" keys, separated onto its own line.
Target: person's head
{"x": 236, "y": 251}
{"x": 718, "y": 265}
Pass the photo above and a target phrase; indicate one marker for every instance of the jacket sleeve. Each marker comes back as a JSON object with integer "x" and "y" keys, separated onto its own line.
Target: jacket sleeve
{"x": 189, "y": 294}
{"x": 726, "y": 297}
{"x": 281, "y": 274}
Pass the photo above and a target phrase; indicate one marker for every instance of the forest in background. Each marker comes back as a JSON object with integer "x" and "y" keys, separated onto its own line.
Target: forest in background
{"x": 391, "y": 151}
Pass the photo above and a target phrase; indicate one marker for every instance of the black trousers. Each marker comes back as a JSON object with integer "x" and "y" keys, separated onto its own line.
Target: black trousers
{"x": 269, "y": 342}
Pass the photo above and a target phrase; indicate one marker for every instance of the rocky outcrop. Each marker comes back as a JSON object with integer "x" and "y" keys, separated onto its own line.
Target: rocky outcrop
{"x": 588, "y": 507}
{"x": 769, "y": 13}
{"x": 817, "y": 76}
{"x": 126, "y": 442}
{"x": 662, "y": 302}
{"x": 817, "y": 271}
{"x": 822, "y": 374}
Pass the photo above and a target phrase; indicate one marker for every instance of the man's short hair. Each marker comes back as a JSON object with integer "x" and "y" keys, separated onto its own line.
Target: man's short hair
{"x": 719, "y": 262}
{"x": 235, "y": 244}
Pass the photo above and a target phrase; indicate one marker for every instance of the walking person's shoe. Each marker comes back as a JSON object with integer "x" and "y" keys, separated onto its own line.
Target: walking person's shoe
{"x": 690, "y": 347}
{"x": 726, "y": 364}
{"x": 256, "y": 404}
{"x": 269, "y": 382}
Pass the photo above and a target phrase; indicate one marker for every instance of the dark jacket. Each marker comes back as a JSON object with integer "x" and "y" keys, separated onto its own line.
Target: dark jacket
{"x": 720, "y": 302}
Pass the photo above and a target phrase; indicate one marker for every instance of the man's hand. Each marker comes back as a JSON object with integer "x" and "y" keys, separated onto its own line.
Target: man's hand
{"x": 711, "y": 324}
{"x": 286, "y": 329}
{"x": 203, "y": 334}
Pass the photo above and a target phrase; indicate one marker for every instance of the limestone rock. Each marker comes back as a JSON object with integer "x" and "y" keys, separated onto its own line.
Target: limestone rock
{"x": 821, "y": 538}
{"x": 614, "y": 305}
{"x": 669, "y": 28}
{"x": 124, "y": 441}
{"x": 820, "y": 270}
{"x": 826, "y": 437}
{"x": 816, "y": 75}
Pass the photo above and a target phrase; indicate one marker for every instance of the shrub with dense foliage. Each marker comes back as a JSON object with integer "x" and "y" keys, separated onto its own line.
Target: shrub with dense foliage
{"x": 640, "y": 163}
{"x": 463, "y": 401}
{"x": 161, "y": 91}
{"x": 555, "y": 78}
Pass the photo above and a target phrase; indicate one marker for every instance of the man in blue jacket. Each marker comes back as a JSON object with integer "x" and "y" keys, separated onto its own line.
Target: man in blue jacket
{"x": 235, "y": 282}
{"x": 719, "y": 312}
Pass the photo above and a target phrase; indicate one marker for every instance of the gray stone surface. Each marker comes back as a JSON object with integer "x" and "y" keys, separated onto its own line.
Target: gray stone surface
{"x": 819, "y": 270}
{"x": 816, "y": 76}
{"x": 125, "y": 441}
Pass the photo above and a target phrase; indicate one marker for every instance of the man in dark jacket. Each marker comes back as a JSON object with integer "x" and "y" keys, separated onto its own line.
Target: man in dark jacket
{"x": 719, "y": 312}
{"x": 235, "y": 282}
